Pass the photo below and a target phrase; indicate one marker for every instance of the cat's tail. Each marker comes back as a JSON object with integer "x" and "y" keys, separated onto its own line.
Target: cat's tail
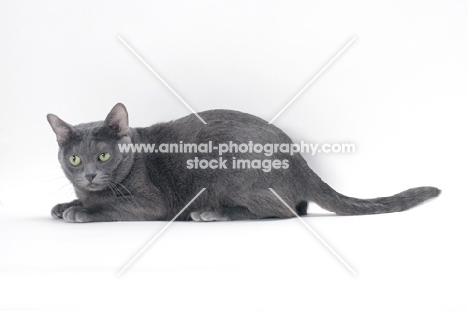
{"x": 329, "y": 199}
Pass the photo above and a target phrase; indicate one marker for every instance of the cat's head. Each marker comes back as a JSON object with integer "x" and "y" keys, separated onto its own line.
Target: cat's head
{"x": 89, "y": 152}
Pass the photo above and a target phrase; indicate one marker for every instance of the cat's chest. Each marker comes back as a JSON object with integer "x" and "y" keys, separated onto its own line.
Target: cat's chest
{"x": 100, "y": 197}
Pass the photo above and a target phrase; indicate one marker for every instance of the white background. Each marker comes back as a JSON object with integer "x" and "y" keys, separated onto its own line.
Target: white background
{"x": 398, "y": 93}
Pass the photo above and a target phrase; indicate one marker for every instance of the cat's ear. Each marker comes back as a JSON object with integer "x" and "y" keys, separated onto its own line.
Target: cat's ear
{"x": 117, "y": 120}
{"x": 62, "y": 129}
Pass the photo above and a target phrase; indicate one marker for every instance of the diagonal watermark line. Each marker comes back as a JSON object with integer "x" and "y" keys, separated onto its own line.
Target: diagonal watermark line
{"x": 316, "y": 234}
{"x": 160, "y": 79}
{"x": 159, "y": 233}
{"x": 313, "y": 79}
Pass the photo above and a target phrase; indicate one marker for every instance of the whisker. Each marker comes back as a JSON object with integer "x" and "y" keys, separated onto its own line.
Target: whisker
{"x": 125, "y": 188}
{"x": 131, "y": 195}
{"x": 68, "y": 191}
{"x": 68, "y": 184}
{"x": 55, "y": 178}
{"x": 125, "y": 196}
{"x": 112, "y": 189}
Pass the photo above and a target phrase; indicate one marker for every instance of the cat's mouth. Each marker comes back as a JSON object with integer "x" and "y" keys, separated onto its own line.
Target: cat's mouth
{"x": 94, "y": 186}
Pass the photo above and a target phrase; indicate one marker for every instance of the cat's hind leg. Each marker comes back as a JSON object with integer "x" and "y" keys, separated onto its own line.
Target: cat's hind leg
{"x": 253, "y": 204}
{"x": 224, "y": 214}
{"x": 209, "y": 216}
{"x": 264, "y": 204}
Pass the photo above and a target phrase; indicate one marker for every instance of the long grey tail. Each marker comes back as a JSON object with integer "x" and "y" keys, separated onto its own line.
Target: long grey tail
{"x": 327, "y": 198}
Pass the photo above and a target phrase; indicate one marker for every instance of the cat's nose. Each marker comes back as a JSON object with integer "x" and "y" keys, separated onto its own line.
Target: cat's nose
{"x": 90, "y": 177}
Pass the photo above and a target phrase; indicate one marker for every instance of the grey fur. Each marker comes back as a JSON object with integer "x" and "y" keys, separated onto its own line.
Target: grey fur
{"x": 156, "y": 186}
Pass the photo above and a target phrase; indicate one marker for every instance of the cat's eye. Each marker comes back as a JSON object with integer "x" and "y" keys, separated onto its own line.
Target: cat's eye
{"x": 75, "y": 160}
{"x": 103, "y": 157}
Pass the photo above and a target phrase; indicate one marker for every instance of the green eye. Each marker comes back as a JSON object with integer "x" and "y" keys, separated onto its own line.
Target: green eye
{"x": 75, "y": 160}
{"x": 103, "y": 157}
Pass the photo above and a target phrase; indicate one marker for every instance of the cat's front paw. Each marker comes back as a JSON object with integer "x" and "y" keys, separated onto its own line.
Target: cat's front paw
{"x": 76, "y": 214}
{"x": 58, "y": 210}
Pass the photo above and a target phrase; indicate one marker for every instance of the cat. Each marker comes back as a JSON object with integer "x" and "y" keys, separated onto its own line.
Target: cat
{"x": 111, "y": 185}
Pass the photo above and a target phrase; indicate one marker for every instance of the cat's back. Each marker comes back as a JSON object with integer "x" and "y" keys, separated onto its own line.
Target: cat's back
{"x": 221, "y": 125}
{"x": 220, "y": 116}
{"x": 231, "y": 115}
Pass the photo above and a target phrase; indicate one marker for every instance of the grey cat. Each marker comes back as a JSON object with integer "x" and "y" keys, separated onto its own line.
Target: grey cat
{"x": 130, "y": 186}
